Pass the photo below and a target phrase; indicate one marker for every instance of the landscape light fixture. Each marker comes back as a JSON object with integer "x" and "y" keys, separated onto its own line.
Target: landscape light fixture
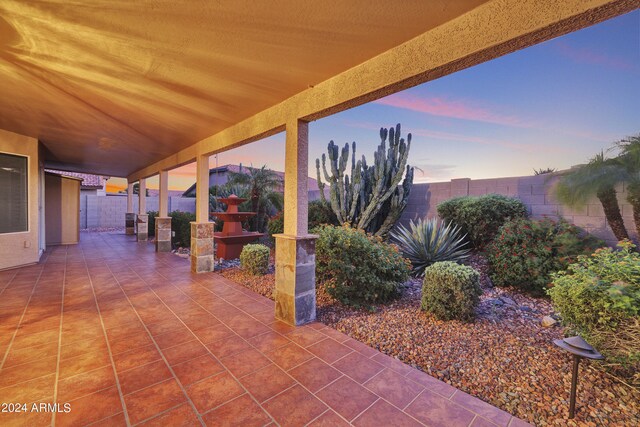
{"x": 579, "y": 348}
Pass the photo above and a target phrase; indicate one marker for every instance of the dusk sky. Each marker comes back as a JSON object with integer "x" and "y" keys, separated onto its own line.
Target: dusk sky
{"x": 551, "y": 105}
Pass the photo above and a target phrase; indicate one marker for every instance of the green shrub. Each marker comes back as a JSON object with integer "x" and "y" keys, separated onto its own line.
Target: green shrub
{"x": 430, "y": 241}
{"x": 152, "y": 222}
{"x": 481, "y": 217}
{"x": 599, "y": 297}
{"x": 181, "y": 226}
{"x": 254, "y": 259}
{"x": 451, "y": 291}
{"x": 319, "y": 213}
{"x": 526, "y": 252}
{"x": 357, "y": 268}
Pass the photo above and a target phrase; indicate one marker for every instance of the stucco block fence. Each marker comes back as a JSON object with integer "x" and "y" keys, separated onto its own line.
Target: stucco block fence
{"x": 536, "y": 192}
{"x": 109, "y": 211}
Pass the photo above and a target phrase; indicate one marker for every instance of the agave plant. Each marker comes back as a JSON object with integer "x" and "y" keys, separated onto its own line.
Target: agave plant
{"x": 429, "y": 241}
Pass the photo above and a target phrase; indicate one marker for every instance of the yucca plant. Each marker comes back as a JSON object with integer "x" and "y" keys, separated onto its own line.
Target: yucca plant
{"x": 429, "y": 241}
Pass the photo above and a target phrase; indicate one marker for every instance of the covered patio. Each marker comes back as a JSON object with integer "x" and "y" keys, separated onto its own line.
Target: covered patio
{"x": 128, "y": 336}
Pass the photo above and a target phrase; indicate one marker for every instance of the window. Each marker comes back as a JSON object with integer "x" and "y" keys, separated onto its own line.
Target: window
{"x": 13, "y": 194}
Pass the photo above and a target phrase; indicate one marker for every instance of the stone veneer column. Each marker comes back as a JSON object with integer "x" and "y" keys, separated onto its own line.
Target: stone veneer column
{"x": 295, "y": 292}
{"x": 130, "y": 216}
{"x": 202, "y": 247}
{"x": 163, "y": 234}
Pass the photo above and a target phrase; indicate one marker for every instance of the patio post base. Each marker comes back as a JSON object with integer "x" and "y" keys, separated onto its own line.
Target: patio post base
{"x": 163, "y": 234}
{"x": 202, "y": 260}
{"x": 295, "y": 292}
{"x": 142, "y": 223}
{"x": 130, "y": 223}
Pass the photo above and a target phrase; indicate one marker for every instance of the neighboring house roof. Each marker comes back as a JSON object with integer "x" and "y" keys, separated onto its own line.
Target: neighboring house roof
{"x": 170, "y": 193}
{"x": 88, "y": 181}
{"x": 312, "y": 184}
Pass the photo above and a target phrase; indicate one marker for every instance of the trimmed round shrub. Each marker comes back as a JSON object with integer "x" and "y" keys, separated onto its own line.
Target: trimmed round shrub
{"x": 525, "y": 253}
{"x": 481, "y": 217}
{"x": 451, "y": 291}
{"x": 152, "y": 222}
{"x": 254, "y": 259}
{"x": 357, "y": 268}
{"x": 276, "y": 224}
{"x": 599, "y": 297}
{"x": 181, "y": 226}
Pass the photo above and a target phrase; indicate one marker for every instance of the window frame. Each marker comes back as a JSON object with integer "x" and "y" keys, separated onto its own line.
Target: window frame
{"x": 28, "y": 202}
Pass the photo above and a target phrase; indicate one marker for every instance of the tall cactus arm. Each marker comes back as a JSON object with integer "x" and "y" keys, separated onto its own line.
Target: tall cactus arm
{"x": 320, "y": 183}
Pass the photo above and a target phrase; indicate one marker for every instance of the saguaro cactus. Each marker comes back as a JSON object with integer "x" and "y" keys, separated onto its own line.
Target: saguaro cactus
{"x": 370, "y": 197}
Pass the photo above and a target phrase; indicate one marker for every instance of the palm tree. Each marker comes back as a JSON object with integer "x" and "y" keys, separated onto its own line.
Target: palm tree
{"x": 628, "y": 171}
{"x": 598, "y": 177}
{"x": 263, "y": 185}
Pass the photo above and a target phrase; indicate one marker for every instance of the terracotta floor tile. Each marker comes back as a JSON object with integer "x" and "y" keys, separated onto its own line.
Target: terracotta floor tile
{"x": 294, "y": 407}
{"x": 393, "y": 387}
{"x": 137, "y": 357}
{"x": 268, "y": 341}
{"x": 384, "y": 414}
{"x": 281, "y": 327}
{"x": 185, "y": 351}
{"x": 289, "y": 356}
{"x": 116, "y": 420}
{"x": 267, "y": 382}
{"x": 152, "y": 400}
{"x": 31, "y": 354}
{"x": 243, "y": 363}
{"x": 247, "y": 327}
{"x": 81, "y": 347}
{"x": 305, "y": 336}
{"x": 481, "y": 408}
{"x": 214, "y": 333}
{"x": 242, "y": 411}
{"x": 83, "y": 363}
{"x": 171, "y": 339}
{"x": 33, "y": 390}
{"x": 358, "y": 367}
{"x": 182, "y": 416}
{"x": 24, "y": 340}
{"x": 347, "y": 397}
{"x": 336, "y": 335}
{"x": 197, "y": 369}
{"x": 171, "y": 324}
{"x": 143, "y": 376}
{"x": 393, "y": 363}
{"x": 329, "y": 350}
{"x": 431, "y": 384}
{"x": 435, "y": 410}
{"x": 481, "y": 422}
{"x": 314, "y": 374}
{"x": 28, "y": 371}
{"x": 228, "y": 346}
{"x": 329, "y": 419}
{"x": 26, "y": 419}
{"x": 214, "y": 391}
{"x": 130, "y": 342}
{"x": 91, "y": 408}
{"x": 74, "y": 387}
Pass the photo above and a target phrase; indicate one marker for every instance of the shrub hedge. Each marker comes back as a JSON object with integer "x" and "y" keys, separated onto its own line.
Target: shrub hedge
{"x": 181, "y": 226}
{"x": 451, "y": 291}
{"x": 357, "y": 268}
{"x": 152, "y": 222}
{"x": 525, "y": 253}
{"x": 319, "y": 213}
{"x": 254, "y": 259}
{"x": 481, "y": 217}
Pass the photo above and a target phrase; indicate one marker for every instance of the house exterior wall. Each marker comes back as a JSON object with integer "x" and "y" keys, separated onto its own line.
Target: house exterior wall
{"x": 22, "y": 248}
{"x": 536, "y": 192}
{"x": 62, "y": 198}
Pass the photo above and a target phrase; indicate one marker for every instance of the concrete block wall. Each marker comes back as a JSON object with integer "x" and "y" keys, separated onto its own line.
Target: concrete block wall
{"x": 536, "y": 192}
{"x": 108, "y": 211}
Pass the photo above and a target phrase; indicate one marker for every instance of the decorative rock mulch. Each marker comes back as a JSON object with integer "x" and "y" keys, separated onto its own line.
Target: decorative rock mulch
{"x": 506, "y": 357}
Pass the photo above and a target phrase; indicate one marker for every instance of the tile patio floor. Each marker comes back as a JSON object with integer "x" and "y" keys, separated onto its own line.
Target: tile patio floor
{"x": 130, "y": 337}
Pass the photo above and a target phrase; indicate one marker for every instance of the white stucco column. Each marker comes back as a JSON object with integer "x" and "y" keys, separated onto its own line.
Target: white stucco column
{"x": 295, "y": 292}
{"x": 202, "y": 229}
{"x": 142, "y": 221}
{"x": 130, "y": 216}
{"x": 163, "y": 221}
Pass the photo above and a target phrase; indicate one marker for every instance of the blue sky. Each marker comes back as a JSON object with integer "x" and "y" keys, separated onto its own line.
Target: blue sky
{"x": 551, "y": 105}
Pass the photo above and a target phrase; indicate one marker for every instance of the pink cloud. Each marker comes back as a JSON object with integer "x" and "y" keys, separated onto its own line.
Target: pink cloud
{"x": 457, "y": 109}
{"x": 588, "y": 56}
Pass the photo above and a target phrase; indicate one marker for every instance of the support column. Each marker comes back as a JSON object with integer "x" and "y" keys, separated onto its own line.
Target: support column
{"x": 295, "y": 292}
{"x": 163, "y": 220}
{"x": 142, "y": 221}
{"x": 202, "y": 260}
{"x": 130, "y": 216}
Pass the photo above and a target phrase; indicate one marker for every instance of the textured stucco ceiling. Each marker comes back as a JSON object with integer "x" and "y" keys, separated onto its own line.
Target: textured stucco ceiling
{"x": 110, "y": 86}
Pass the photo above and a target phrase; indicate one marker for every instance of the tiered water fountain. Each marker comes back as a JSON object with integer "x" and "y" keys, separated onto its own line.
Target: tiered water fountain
{"x": 232, "y": 237}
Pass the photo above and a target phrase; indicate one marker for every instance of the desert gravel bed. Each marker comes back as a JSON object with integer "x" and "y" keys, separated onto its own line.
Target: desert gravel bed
{"x": 505, "y": 357}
